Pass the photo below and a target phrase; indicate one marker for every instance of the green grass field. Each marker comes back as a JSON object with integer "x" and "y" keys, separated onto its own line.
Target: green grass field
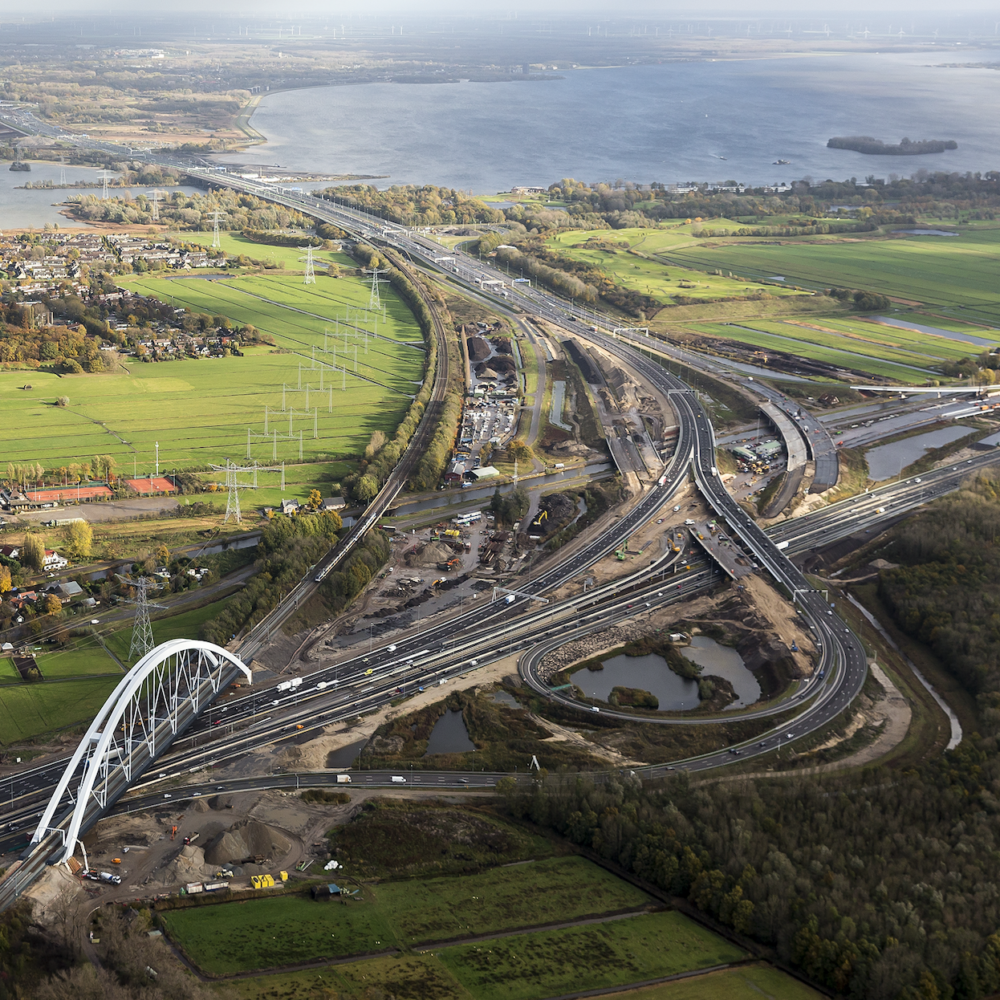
{"x": 27, "y": 710}
{"x": 649, "y": 273}
{"x": 77, "y": 679}
{"x": 199, "y": 410}
{"x": 748, "y": 982}
{"x": 408, "y": 977}
{"x": 272, "y": 932}
{"x": 182, "y": 626}
{"x": 547, "y": 963}
{"x": 834, "y": 348}
{"x": 540, "y": 892}
{"x": 401, "y": 914}
{"x": 957, "y": 274}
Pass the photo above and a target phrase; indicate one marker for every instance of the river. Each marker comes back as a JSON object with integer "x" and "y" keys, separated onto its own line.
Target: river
{"x": 704, "y": 121}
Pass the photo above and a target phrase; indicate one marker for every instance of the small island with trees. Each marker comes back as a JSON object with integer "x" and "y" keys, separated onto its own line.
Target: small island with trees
{"x": 876, "y": 147}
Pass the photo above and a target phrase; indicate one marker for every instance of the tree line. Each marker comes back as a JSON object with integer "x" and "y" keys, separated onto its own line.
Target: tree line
{"x": 286, "y": 550}
{"x": 416, "y": 205}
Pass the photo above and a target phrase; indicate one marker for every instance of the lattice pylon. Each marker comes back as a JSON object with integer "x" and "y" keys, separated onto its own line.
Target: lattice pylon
{"x": 374, "y": 302}
{"x": 233, "y": 498}
{"x": 216, "y": 243}
{"x": 142, "y": 631}
{"x": 309, "y": 276}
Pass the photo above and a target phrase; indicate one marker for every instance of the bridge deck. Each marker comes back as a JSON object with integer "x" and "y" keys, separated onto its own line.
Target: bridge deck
{"x": 795, "y": 442}
{"x": 734, "y": 562}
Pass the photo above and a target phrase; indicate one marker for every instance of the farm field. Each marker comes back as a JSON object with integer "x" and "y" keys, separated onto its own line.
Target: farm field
{"x": 657, "y": 278}
{"x": 748, "y": 982}
{"x": 536, "y": 893}
{"x": 200, "y": 410}
{"x": 413, "y": 977}
{"x": 951, "y": 273}
{"x": 235, "y": 243}
{"x": 844, "y": 345}
{"x": 28, "y": 709}
{"x": 235, "y": 937}
{"x": 402, "y": 914}
{"x": 548, "y": 963}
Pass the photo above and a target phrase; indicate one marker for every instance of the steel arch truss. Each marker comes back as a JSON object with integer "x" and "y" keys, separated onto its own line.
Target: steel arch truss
{"x": 158, "y": 698}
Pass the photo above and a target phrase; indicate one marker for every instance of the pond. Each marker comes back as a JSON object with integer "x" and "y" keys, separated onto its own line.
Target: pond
{"x": 345, "y": 756}
{"x": 651, "y": 673}
{"x": 503, "y": 698}
{"x": 647, "y": 673}
{"x": 724, "y": 662}
{"x": 888, "y": 460}
{"x": 449, "y": 736}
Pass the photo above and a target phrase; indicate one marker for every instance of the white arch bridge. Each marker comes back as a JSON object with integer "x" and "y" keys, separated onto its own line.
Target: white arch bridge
{"x": 154, "y": 702}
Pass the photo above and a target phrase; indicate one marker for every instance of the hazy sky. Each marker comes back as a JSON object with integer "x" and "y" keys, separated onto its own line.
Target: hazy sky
{"x": 16, "y": 9}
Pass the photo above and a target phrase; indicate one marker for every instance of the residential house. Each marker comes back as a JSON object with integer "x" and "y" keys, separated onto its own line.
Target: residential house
{"x": 53, "y": 561}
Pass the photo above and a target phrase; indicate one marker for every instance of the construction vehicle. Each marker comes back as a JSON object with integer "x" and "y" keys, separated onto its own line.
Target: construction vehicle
{"x": 623, "y": 551}
{"x": 173, "y": 833}
{"x": 191, "y": 839}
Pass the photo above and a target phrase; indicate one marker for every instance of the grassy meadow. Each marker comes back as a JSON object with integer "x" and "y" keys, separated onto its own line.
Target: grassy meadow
{"x": 946, "y": 284}
{"x": 544, "y": 964}
{"x": 956, "y": 274}
{"x": 400, "y": 914}
{"x": 634, "y": 259}
{"x": 199, "y": 410}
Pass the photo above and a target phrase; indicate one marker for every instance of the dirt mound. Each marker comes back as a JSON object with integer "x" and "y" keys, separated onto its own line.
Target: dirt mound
{"x": 201, "y": 806}
{"x": 245, "y": 840}
{"x": 430, "y": 554}
{"x": 479, "y": 349}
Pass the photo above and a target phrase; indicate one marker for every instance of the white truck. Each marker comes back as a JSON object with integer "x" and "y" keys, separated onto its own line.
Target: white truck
{"x": 398, "y": 779}
{"x": 113, "y": 879}
{"x": 343, "y": 779}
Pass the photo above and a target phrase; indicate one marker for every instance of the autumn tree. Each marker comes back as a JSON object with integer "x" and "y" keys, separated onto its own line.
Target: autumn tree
{"x": 33, "y": 552}
{"x": 5, "y": 580}
{"x": 315, "y": 499}
{"x": 366, "y": 489}
{"x": 81, "y": 538}
{"x": 375, "y": 445}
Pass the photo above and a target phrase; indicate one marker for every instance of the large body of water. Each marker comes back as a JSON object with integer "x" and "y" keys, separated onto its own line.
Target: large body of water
{"x": 24, "y": 209}
{"x": 703, "y": 121}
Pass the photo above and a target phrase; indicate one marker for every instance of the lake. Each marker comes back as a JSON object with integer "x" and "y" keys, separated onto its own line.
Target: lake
{"x": 651, "y": 673}
{"x": 24, "y": 209}
{"x": 703, "y": 121}
{"x": 888, "y": 460}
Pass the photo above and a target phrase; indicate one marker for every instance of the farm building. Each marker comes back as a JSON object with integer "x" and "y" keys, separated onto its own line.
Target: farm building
{"x": 327, "y": 891}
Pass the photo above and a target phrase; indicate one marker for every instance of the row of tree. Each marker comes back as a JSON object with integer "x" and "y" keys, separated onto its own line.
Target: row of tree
{"x": 416, "y": 205}
{"x": 286, "y": 550}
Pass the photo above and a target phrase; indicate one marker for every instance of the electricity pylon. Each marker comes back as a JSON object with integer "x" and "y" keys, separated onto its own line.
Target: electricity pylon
{"x": 309, "y": 278}
{"x": 374, "y": 302}
{"x": 142, "y": 631}
{"x": 215, "y": 230}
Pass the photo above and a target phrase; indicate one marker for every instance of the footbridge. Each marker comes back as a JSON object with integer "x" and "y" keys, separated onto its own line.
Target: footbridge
{"x": 153, "y": 703}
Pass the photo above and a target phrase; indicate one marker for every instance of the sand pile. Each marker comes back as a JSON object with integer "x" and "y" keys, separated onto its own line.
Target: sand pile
{"x": 479, "y": 349}
{"x": 189, "y": 864}
{"x": 246, "y": 840}
{"x": 430, "y": 554}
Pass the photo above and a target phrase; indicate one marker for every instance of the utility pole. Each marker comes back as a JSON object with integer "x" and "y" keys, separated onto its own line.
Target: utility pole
{"x": 309, "y": 276}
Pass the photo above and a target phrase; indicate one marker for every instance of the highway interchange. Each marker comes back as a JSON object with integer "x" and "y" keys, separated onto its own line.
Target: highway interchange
{"x": 434, "y": 653}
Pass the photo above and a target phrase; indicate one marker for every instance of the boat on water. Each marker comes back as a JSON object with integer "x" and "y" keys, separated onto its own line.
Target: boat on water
{"x": 20, "y": 165}
{"x": 779, "y": 163}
